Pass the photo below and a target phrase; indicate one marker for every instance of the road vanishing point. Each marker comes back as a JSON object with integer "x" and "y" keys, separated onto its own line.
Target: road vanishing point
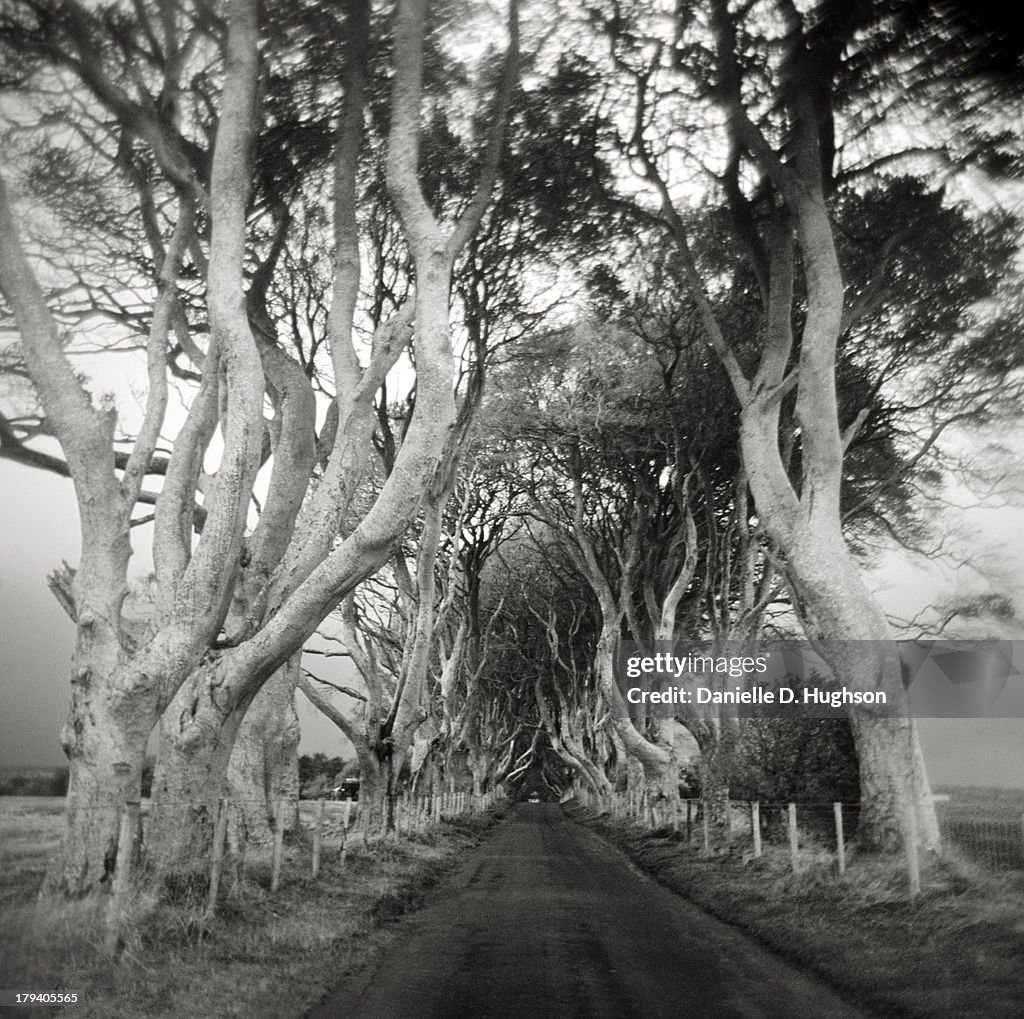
{"x": 546, "y": 920}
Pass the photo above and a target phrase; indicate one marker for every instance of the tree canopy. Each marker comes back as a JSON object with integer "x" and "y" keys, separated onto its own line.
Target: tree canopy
{"x": 489, "y": 340}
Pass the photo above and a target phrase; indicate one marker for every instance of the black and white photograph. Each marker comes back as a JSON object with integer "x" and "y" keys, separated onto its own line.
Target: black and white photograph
{"x": 511, "y": 509}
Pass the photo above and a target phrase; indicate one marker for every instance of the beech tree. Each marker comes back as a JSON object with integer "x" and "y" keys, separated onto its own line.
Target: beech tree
{"x": 291, "y": 566}
{"x": 835, "y": 286}
{"x": 769, "y": 97}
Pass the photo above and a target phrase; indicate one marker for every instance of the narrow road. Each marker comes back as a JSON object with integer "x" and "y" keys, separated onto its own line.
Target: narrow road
{"x": 545, "y": 920}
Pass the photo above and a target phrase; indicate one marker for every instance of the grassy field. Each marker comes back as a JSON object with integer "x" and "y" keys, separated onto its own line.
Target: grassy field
{"x": 985, "y": 825}
{"x": 957, "y": 950}
{"x": 263, "y": 954}
{"x": 30, "y": 830}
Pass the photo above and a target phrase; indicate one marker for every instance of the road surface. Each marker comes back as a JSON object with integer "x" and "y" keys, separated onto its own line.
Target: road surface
{"x": 546, "y": 920}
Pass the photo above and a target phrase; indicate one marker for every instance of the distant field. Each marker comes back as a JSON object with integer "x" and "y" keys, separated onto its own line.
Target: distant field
{"x": 999, "y": 800}
{"x": 30, "y": 830}
{"x": 986, "y": 825}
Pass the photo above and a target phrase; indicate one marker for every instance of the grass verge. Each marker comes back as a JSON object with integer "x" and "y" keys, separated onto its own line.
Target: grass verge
{"x": 261, "y": 955}
{"x": 956, "y": 950}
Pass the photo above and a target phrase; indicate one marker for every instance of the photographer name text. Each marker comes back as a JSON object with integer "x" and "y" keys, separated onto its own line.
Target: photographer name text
{"x": 833, "y": 698}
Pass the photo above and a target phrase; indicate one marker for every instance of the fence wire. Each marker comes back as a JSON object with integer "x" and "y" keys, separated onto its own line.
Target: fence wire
{"x": 996, "y": 843}
{"x": 990, "y": 838}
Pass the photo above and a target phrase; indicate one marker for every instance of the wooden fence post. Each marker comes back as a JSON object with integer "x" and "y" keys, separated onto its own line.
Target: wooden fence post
{"x": 344, "y": 839}
{"x": 705, "y": 826}
{"x": 348, "y": 813}
{"x": 363, "y": 821}
{"x": 318, "y": 837}
{"x": 275, "y": 877}
{"x": 129, "y": 823}
{"x": 910, "y": 846}
{"x": 755, "y": 827}
{"x": 220, "y": 830}
{"x": 837, "y": 808}
{"x": 238, "y": 856}
{"x": 689, "y": 822}
{"x": 794, "y": 844}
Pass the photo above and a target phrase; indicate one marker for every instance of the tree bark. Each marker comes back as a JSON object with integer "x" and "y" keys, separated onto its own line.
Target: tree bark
{"x": 892, "y": 771}
{"x": 190, "y": 776}
{"x": 264, "y": 766}
{"x": 104, "y": 739}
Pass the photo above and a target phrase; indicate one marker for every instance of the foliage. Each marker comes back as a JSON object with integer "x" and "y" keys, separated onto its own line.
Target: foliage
{"x": 802, "y": 760}
{"x": 33, "y": 782}
{"x": 318, "y": 773}
{"x": 644, "y": 258}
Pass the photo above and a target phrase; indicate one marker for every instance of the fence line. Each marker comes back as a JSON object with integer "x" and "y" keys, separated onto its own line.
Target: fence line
{"x": 406, "y": 817}
{"x": 994, "y": 842}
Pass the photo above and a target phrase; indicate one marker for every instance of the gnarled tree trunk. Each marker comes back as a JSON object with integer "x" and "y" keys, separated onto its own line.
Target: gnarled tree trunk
{"x": 264, "y": 766}
{"x": 105, "y": 740}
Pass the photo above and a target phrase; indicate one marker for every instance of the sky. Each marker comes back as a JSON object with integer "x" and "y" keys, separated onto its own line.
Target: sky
{"x": 39, "y": 524}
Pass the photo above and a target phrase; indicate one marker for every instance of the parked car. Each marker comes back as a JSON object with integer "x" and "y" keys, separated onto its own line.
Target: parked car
{"x": 348, "y": 790}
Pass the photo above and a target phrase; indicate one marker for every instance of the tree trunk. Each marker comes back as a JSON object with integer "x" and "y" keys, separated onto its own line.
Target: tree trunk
{"x": 717, "y": 744}
{"x": 373, "y": 796}
{"x": 479, "y": 772}
{"x": 661, "y": 770}
{"x": 892, "y": 771}
{"x": 892, "y": 779}
{"x": 105, "y": 744}
{"x": 196, "y": 741}
{"x": 249, "y": 755}
{"x": 264, "y": 763}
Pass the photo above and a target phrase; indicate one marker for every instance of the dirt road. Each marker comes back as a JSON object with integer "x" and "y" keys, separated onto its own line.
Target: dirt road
{"x": 545, "y": 920}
